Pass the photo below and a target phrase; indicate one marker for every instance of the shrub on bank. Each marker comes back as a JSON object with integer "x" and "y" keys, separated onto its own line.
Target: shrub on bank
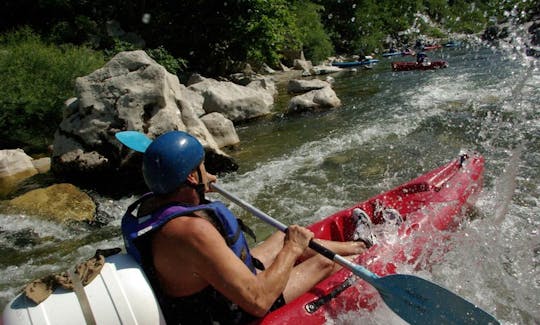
{"x": 36, "y": 79}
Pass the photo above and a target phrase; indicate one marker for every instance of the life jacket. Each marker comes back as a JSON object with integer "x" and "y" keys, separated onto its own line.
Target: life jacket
{"x": 230, "y": 227}
{"x": 421, "y": 57}
{"x": 204, "y": 307}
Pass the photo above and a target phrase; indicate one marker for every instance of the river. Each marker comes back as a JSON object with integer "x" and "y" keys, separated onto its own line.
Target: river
{"x": 391, "y": 127}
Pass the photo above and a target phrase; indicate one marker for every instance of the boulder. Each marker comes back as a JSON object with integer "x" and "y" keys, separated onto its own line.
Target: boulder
{"x": 235, "y": 102}
{"x": 15, "y": 166}
{"x": 131, "y": 92}
{"x": 222, "y": 129}
{"x": 59, "y": 202}
{"x": 43, "y": 165}
{"x": 264, "y": 84}
{"x": 302, "y": 85}
{"x": 266, "y": 69}
{"x": 325, "y": 69}
{"x": 304, "y": 65}
{"x": 283, "y": 67}
{"x": 315, "y": 100}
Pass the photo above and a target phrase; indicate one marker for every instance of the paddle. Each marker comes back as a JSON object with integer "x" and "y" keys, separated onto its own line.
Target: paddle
{"x": 414, "y": 299}
{"x": 134, "y": 140}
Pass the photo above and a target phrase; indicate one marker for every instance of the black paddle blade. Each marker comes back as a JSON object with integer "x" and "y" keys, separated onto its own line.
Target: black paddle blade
{"x": 419, "y": 301}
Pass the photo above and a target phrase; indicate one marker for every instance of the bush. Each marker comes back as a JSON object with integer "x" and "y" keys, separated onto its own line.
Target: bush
{"x": 169, "y": 62}
{"x": 36, "y": 79}
{"x": 159, "y": 54}
{"x": 316, "y": 42}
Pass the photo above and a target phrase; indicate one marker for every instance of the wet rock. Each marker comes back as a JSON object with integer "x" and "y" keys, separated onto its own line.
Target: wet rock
{"x": 59, "y": 202}
{"x": 15, "y": 166}
{"x": 304, "y": 65}
{"x": 222, "y": 129}
{"x": 235, "y": 102}
{"x": 315, "y": 100}
{"x": 303, "y": 86}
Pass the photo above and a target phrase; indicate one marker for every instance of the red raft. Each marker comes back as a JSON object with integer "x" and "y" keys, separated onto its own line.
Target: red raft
{"x": 431, "y": 206}
{"x": 431, "y": 47}
{"x": 429, "y": 65}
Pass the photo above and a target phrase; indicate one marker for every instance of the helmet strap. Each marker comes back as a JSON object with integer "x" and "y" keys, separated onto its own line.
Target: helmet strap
{"x": 199, "y": 187}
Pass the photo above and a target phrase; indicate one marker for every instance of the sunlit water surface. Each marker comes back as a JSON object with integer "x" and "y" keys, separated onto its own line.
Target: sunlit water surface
{"x": 391, "y": 127}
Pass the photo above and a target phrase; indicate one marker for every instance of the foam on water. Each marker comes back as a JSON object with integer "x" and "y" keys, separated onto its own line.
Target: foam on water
{"x": 308, "y": 161}
{"x": 14, "y": 223}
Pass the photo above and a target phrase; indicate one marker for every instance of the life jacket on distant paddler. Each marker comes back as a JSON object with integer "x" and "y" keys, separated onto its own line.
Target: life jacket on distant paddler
{"x": 229, "y": 226}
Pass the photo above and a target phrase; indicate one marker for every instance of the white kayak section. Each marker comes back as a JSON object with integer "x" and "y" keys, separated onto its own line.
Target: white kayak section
{"x": 120, "y": 294}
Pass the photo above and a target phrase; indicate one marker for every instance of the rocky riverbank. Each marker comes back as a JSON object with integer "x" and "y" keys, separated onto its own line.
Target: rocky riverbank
{"x": 133, "y": 92}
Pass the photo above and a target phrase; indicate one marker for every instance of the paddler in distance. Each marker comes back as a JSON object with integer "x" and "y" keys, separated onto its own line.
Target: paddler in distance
{"x": 194, "y": 252}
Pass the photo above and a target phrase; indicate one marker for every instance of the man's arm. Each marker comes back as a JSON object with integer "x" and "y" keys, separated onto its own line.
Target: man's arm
{"x": 199, "y": 247}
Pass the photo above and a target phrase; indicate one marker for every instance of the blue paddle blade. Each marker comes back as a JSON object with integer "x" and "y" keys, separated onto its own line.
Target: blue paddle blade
{"x": 419, "y": 301}
{"x": 134, "y": 140}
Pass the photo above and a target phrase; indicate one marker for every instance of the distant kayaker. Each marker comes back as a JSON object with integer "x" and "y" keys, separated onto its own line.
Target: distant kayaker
{"x": 194, "y": 251}
{"x": 421, "y": 57}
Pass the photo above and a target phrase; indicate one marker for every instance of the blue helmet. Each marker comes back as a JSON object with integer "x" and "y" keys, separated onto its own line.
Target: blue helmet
{"x": 169, "y": 159}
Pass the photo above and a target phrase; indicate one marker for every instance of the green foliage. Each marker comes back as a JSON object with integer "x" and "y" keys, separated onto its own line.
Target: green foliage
{"x": 529, "y": 8}
{"x": 438, "y": 10}
{"x": 268, "y": 30}
{"x": 434, "y": 32}
{"x": 117, "y": 47}
{"x": 315, "y": 41}
{"x": 159, "y": 54}
{"x": 371, "y": 27}
{"x": 339, "y": 19}
{"x": 364, "y": 26}
{"x": 467, "y": 17}
{"x": 36, "y": 79}
{"x": 169, "y": 62}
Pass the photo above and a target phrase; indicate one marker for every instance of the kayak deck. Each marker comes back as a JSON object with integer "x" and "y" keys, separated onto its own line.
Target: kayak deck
{"x": 431, "y": 205}
{"x": 347, "y": 64}
{"x": 120, "y": 294}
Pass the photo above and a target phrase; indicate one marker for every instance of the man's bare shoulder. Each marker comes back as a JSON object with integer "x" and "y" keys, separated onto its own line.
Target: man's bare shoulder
{"x": 195, "y": 240}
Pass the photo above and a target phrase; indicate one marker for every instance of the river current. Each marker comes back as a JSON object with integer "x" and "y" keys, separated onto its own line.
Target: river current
{"x": 391, "y": 127}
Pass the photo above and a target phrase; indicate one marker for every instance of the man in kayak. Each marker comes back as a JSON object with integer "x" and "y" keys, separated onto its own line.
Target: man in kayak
{"x": 194, "y": 251}
{"x": 421, "y": 57}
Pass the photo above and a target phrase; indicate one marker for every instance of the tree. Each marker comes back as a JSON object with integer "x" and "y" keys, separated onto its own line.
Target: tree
{"x": 316, "y": 43}
{"x": 36, "y": 79}
{"x": 339, "y": 19}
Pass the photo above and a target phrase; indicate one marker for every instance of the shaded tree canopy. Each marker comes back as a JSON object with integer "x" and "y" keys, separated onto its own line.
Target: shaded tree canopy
{"x": 214, "y": 37}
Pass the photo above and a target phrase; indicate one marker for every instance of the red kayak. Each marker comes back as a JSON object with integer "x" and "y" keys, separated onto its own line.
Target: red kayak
{"x": 411, "y": 225}
{"x": 432, "y": 47}
{"x": 429, "y": 65}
